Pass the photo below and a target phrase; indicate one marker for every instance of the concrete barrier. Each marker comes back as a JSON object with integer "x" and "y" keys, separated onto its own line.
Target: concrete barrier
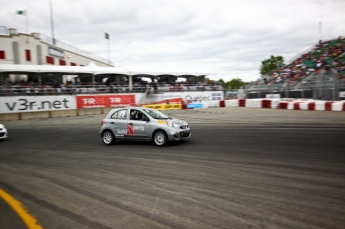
{"x": 232, "y": 103}
{"x": 320, "y": 105}
{"x": 35, "y": 115}
{"x": 254, "y": 103}
{"x": 308, "y": 105}
{"x": 211, "y": 104}
{"x": 55, "y": 114}
{"x": 241, "y": 102}
{"x": 283, "y": 105}
{"x": 328, "y": 106}
{"x": 311, "y": 106}
{"x": 89, "y": 111}
{"x": 275, "y": 103}
{"x": 64, "y": 113}
{"x": 9, "y": 117}
{"x": 266, "y": 103}
{"x": 338, "y": 106}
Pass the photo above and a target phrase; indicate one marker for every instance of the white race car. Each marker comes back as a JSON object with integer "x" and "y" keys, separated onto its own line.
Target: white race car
{"x": 3, "y": 132}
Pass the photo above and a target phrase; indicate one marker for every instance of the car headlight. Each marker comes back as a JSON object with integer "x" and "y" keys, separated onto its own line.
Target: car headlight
{"x": 171, "y": 124}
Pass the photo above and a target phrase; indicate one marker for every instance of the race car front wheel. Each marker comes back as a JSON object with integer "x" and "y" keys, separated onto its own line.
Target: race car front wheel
{"x": 160, "y": 138}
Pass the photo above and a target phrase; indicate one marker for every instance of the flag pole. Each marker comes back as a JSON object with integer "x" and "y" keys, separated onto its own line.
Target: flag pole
{"x": 51, "y": 20}
{"x": 27, "y": 25}
{"x": 27, "y": 22}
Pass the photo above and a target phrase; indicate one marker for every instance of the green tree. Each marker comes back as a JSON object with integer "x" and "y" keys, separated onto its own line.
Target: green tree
{"x": 235, "y": 83}
{"x": 221, "y": 81}
{"x": 271, "y": 64}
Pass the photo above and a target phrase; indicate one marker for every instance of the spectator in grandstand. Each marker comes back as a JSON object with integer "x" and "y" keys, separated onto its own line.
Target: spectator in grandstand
{"x": 63, "y": 88}
{"x": 325, "y": 57}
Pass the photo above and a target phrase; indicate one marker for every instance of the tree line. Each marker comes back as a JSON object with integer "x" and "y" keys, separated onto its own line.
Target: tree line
{"x": 268, "y": 66}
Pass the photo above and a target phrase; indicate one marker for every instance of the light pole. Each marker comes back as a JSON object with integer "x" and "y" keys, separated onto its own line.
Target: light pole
{"x": 106, "y": 35}
{"x": 52, "y": 21}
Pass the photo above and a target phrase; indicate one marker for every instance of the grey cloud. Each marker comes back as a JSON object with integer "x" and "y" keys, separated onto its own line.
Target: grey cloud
{"x": 228, "y": 38}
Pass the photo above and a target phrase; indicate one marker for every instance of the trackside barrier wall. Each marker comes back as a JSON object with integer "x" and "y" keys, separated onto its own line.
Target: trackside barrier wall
{"x": 33, "y": 107}
{"x": 255, "y": 103}
{"x": 232, "y": 103}
{"x": 338, "y": 106}
{"x": 288, "y": 105}
{"x": 266, "y": 103}
{"x": 242, "y": 103}
{"x": 210, "y": 104}
{"x": 275, "y": 103}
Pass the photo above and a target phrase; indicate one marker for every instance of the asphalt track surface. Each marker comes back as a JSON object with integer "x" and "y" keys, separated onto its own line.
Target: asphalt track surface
{"x": 242, "y": 168}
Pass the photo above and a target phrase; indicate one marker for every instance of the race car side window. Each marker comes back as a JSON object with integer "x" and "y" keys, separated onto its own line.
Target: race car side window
{"x": 121, "y": 114}
{"x": 134, "y": 114}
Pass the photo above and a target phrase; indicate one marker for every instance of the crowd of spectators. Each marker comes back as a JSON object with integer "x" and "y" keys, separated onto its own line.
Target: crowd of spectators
{"x": 325, "y": 57}
{"x": 27, "y": 88}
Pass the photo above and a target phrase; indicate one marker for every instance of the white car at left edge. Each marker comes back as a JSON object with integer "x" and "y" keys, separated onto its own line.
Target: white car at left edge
{"x": 3, "y": 132}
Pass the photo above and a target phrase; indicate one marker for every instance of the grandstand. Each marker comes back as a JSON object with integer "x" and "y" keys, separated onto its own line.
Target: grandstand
{"x": 36, "y": 64}
{"x": 318, "y": 73}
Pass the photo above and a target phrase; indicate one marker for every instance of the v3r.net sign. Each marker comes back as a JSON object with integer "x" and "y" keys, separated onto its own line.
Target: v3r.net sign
{"x": 92, "y": 101}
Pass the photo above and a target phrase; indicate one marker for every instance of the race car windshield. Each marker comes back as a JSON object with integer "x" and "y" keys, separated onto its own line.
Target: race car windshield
{"x": 156, "y": 114}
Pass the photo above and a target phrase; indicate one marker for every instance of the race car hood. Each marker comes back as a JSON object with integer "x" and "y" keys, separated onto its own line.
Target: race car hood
{"x": 179, "y": 122}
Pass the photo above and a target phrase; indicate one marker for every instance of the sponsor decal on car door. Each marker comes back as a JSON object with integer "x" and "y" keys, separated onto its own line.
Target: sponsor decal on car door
{"x": 138, "y": 129}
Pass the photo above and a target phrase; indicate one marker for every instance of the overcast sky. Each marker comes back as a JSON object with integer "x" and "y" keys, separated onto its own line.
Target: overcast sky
{"x": 229, "y": 38}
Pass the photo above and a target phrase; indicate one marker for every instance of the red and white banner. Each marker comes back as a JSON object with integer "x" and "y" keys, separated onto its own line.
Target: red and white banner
{"x": 113, "y": 100}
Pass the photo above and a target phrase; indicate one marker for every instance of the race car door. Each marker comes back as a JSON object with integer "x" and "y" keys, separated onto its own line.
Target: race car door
{"x": 139, "y": 128}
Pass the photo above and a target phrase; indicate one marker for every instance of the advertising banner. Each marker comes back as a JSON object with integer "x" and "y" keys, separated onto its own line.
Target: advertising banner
{"x": 186, "y": 96}
{"x": 112, "y": 100}
{"x": 20, "y": 104}
{"x": 194, "y": 105}
{"x": 164, "y": 106}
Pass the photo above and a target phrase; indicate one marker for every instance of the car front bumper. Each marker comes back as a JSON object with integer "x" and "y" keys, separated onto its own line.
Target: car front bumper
{"x": 179, "y": 135}
{"x": 3, "y": 134}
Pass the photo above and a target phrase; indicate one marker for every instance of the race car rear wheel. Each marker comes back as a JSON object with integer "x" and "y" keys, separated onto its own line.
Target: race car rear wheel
{"x": 108, "y": 137}
{"x": 160, "y": 138}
